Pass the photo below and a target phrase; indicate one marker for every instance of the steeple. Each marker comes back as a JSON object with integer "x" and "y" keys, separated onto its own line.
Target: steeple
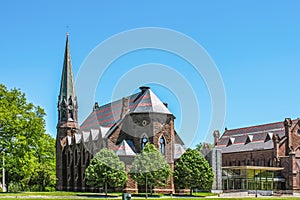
{"x": 67, "y": 124}
{"x": 67, "y": 99}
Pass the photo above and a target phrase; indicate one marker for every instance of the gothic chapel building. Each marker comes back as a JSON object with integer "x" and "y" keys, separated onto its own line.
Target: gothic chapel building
{"x": 124, "y": 126}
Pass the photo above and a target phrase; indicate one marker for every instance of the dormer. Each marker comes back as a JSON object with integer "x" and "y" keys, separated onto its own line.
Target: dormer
{"x": 230, "y": 141}
{"x": 269, "y": 136}
{"x": 249, "y": 139}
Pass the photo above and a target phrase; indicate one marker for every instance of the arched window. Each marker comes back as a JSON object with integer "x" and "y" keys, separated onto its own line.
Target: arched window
{"x": 144, "y": 141}
{"x": 162, "y": 145}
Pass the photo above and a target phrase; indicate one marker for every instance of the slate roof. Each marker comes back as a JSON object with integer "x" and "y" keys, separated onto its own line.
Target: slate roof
{"x": 124, "y": 149}
{"x": 250, "y": 138}
{"x": 108, "y": 115}
{"x": 104, "y": 119}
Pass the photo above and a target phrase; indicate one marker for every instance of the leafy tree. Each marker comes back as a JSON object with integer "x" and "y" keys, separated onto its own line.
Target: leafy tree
{"x": 193, "y": 171}
{"x": 44, "y": 177}
{"x": 106, "y": 169}
{"x": 22, "y": 135}
{"x": 150, "y": 168}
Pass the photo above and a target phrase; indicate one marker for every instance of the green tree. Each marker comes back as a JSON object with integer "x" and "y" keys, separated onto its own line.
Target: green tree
{"x": 150, "y": 168}
{"x": 44, "y": 177}
{"x": 22, "y": 134}
{"x": 106, "y": 169}
{"x": 193, "y": 171}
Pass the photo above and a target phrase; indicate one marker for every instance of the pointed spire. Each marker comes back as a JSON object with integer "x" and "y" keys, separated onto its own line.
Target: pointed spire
{"x": 67, "y": 88}
{"x": 67, "y": 100}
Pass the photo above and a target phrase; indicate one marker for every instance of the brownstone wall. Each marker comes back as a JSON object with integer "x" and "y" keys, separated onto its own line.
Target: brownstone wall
{"x": 252, "y": 158}
{"x": 295, "y": 138}
{"x": 131, "y": 185}
{"x": 133, "y": 128}
{"x": 73, "y": 161}
{"x": 165, "y": 131}
{"x": 63, "y": 129}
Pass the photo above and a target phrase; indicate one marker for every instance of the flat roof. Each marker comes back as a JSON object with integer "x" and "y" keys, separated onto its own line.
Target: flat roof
{"x": 254, "y": 168}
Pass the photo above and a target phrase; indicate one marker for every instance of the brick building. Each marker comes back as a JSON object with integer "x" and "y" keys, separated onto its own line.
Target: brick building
{"x": 273, "y": 147}
{"x": 124, "y": 126}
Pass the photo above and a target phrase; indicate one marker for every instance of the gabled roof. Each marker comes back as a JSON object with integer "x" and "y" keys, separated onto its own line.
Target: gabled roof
{"x": 250, "y": 138}
{"x": 178, "y": 150}
{"x": 124, "y": 149}
{"x": 109, "y": 114}
{"x": 92, "y": 140}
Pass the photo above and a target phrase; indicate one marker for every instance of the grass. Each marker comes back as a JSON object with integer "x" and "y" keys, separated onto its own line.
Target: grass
{"x": 203, "y": 194}
{"x": 73, "y": 195}
{"x": 270, "y": 198}
{"x": 55, "y": 194}
{"x": 40, "y": 193}
{"x": 54, "y": 198}
{"x": 82, "y": 194}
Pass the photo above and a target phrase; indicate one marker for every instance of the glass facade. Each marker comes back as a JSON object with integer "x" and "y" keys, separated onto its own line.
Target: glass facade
{"x": 250, "y": 178}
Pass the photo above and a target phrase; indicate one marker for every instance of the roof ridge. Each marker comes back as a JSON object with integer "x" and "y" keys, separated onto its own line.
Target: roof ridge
{"x": 115, "y": 101}
{"x": 255, "y": 126}
{"x": 252, "y": 133}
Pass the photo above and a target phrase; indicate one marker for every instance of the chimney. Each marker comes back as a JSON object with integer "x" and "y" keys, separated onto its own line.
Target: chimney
{"x": 125, "y": 106}
{"x": 96, "y": 106}
{"x": 216, "y": 135}
{"x": 144, "y": 88}
{"x": 166, "y": 104}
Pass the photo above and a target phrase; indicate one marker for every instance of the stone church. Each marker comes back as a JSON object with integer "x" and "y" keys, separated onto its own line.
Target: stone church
{"x": 124, "y": 126}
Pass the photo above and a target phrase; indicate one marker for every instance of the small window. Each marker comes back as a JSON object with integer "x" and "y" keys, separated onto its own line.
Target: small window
{"x": 162, "y": 145}
{"x": 269, "y": 136}
{"x": 144, "y": 141}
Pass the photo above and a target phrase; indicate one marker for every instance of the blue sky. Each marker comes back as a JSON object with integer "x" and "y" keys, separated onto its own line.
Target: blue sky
{"x": 255, "y": 45}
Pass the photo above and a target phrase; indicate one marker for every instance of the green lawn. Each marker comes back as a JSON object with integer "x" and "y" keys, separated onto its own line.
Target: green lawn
{"x": 40, "y": 193}
{"x": 275, "y": 198}
{"x": 55, "y": 194}
{"x": 73, "y": 195}
{"x": 203, "y": 194}
{"x": 53, "y": 198}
